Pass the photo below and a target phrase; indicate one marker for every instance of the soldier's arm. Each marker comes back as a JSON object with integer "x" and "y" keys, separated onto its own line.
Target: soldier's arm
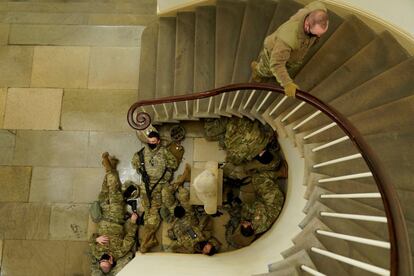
{"x": 128, "y": 241}
{"x": 278, "y": 59}
{"x": 171, "y": 161}
{"x": 135, "y": 162}
{"x": 93, "y": 245}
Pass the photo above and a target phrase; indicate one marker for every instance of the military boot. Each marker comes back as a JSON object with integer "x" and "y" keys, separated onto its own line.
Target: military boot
{"x": 106, "y": 162}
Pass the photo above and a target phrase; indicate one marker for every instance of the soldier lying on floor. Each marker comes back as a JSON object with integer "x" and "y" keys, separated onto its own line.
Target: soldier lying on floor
{"x": 114, "y": 238}
{"x": 252, "y": 218}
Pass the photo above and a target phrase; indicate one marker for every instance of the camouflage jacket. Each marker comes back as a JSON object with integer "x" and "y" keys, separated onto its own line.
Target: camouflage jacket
{"x": 121, "y": 239}
{"x": 188, "y": 231}
{"x": 269, "y": 202}
{"x": 156, "y": 161}
{"x": 245, "y": 139}
{"x": 288, "y": 45}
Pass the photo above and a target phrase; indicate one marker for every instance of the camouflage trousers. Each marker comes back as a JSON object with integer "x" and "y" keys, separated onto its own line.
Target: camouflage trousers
{"x": 263, "y": 67}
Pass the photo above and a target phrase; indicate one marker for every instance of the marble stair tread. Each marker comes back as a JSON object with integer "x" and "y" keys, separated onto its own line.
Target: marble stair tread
{"x": 296, "y": 260}
{"x": 382, "y": 54}
{"x": 121, "y": 7}
{"x": 184, "y": 63}
{"x": 148, "y": 65}
{"x": 165, "y": 65}
{"x": 256, "y": 19}
{"x": 398, "y": 79}
{"x": 287, "y": 271}
{"x": 75, "y": 35}
{"x": 204, "y": 65}
{"x": 229, "y": 13}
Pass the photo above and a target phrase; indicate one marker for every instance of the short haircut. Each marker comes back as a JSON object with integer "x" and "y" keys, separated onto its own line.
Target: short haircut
{"x": 247, "y": 231}
{"x": 153, "y": 134}
{"x": 179, "y": 211}
{"x": 128, "y": 192}
{"x": 319, "y": 17}
{"x": 265, "y": 158}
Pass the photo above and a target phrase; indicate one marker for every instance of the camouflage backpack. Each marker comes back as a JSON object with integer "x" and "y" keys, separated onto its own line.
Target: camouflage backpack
{"x": 95, "y": 212}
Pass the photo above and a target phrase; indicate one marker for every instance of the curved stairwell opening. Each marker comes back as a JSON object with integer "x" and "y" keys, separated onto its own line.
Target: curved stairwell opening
{"x": 351, "y": 150}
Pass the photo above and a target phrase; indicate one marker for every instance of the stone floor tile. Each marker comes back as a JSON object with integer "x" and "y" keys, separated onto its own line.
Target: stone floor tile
{"x": 75, "y": 35}
{"x": 14, "y": 183}
{"x": 69, "y": 222}
{"x": 87, "y": 184}
{"x": 52, "y": 185}
{"x": 15, "y": 66}
{"x": 4, "y": 34}
{"x": 77, "y": 260}
{"x": 1, "y": 251}
{"x": 123, "y": 145}
{"x": 65, "y": 185}
{"x": 92, "y": 226}
{"x": 3, "y": 97}
{"x": 37, "y": 221}
{"x": 107, "y": 113}
{"x": 45, "y": 18}
{"x": 7, "y": 142}
{"x": 68, "y": 68}
{"x": 114, "y": 68}
{"x": 24, "y": 220}
{"x": 35, "y": 258}
{"x": 33, "y": 108}
{"x": 64, "y": 7}
{"x": 208, "y": 150}
{"x": 51, "y": 148}
{"x": 12, "y": 224}
{"x": 121, "y": 19}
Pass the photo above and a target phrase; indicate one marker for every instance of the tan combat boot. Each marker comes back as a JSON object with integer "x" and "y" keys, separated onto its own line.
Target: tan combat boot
{"x": 255, "y": 75}
{"x": 283, "y": 170}
{"x": 106, "y": 162}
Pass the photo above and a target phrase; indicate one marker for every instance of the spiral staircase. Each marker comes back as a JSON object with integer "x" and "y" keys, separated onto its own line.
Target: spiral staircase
{"x": 347, "y": 138}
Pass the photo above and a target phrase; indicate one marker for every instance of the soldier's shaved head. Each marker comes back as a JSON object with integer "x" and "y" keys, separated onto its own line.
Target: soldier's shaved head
{"x": 319, "y": 17}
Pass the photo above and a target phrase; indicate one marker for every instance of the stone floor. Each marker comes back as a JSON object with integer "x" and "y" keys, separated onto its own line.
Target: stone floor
{"x": 68, "y": 74}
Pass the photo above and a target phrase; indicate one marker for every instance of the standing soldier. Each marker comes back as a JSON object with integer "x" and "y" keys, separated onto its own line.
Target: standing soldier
{"x": 284, "y": 50}
{"x": 156, "y": 165}
{"x": 112, "y": 243}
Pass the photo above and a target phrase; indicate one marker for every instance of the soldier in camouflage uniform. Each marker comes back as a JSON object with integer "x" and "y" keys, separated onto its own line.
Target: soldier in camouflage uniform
{"x": 112, "y": 243}
{"x": 285, "y": 49}
{"x": 159, "y": 164}
{"x": 244, "y": 139}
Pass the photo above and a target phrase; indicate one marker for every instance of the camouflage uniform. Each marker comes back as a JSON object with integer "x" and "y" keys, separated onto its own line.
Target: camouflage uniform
{"x": 215, "y": 129}
{"x": 159, "y": 164}
{"x": 285, "y": 49}
{"x": 121, "y": 236}
{"x": 182, "y": 230}
{"x": 245, "y": 139}
{"x": 269, "y": 201}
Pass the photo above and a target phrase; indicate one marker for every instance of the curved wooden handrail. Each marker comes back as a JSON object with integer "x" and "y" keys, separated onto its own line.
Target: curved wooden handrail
{"x": 400, "y": 263}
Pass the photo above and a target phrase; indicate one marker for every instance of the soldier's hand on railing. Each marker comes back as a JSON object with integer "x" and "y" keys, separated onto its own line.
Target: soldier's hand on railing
{"x": 102, "y": 240}
{"x": 290, "y": 89}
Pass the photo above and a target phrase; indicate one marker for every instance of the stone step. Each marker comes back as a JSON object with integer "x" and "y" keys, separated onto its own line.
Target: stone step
{"x": 165, "y": 65}
{"x": 184, "y": 63}
{"x": 287, "y": 271}
{"x": 334, "y": 52}
{"x": 107, "y": 19}
{"x": 256, "y": 20}
{"x": 379, "y": 230}
{"x": 295, "y": 260}
{"x": 381, "y": 54}
{"x": 136, "y": 7}
{"x": 372, "y": 93}
{"x": 148, "y": 65}
{"x": 75, "y": 35}
{"x": 229, "y": 13}
{"x": 204, "y": 64}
